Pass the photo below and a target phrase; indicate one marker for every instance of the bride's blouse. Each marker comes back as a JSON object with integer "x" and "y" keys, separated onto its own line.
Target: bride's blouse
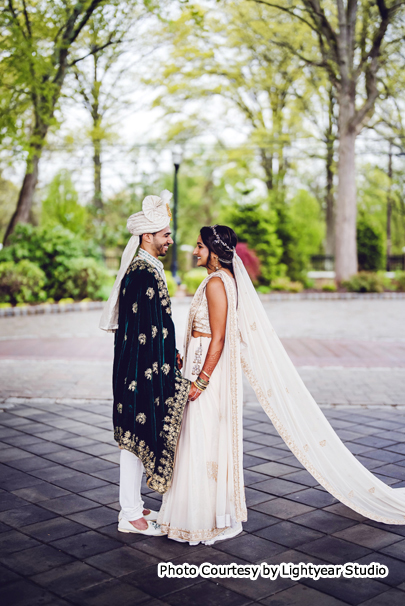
{"x": 201, "y": 321}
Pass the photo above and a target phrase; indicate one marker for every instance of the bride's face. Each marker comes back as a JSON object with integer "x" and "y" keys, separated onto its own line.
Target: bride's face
{"x": 201, "y": 252}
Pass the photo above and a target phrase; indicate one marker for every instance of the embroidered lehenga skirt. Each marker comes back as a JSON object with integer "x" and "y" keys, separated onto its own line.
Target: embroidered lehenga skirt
{"x": 198, "y": 505}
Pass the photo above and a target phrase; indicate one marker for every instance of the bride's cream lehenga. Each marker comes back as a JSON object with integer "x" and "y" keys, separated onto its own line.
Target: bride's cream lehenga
{"x": 207, "y": 492}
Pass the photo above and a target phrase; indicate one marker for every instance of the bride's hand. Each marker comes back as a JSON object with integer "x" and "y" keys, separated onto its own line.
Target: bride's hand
{"x": 193, "y": 393}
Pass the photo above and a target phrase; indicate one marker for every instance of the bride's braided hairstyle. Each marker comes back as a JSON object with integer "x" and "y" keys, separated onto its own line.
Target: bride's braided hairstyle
{"x": 220, "y": 240}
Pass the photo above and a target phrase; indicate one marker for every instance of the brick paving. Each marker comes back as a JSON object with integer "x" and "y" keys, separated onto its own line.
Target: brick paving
{"x": 59, "y": 542}
{"x": 59, "y": 472}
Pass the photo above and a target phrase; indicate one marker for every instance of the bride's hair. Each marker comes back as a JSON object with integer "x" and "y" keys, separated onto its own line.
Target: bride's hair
{"x": 219, "y": 242}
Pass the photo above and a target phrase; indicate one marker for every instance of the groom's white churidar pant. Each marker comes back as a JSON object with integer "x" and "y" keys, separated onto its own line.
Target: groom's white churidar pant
{"x": 131, "y": 471}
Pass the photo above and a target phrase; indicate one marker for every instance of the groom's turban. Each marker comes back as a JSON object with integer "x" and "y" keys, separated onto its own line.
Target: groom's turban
{"x": 154, "y": 216}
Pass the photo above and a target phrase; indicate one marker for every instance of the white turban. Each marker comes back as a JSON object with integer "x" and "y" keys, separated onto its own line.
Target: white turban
{"x": 154, "y": 216}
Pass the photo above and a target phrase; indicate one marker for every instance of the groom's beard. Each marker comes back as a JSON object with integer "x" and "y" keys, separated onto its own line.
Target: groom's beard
{"x": 162, "y": 250}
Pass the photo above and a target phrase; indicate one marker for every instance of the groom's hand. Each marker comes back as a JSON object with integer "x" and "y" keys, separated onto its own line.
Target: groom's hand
{"x": 179, "y": 361}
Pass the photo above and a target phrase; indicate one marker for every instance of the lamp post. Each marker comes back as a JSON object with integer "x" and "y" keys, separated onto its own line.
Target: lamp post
{"x": 177, "y": 158}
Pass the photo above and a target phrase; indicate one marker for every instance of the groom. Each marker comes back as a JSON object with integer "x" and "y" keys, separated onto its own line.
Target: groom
{"x": 149, "y": 390}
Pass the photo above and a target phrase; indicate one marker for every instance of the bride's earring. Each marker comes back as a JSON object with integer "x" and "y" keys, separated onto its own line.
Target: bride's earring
{"x": 216, "y": 264}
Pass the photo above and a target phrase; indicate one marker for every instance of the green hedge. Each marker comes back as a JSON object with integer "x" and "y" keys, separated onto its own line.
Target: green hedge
{"x": 21, "y": 282}
{"x": 365, "y": 281}
{"x": 193, "y": 278}
{"x": 68, "y": 266}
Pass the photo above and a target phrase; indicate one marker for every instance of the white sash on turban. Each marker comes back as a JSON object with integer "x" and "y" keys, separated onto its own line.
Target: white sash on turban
{"x": 154, "y": 216}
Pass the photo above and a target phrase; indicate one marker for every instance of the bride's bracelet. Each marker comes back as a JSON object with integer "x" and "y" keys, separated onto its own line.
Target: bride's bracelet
{"x": 201, "y": 384}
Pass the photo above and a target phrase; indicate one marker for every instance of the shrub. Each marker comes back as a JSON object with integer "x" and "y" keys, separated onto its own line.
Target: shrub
{"x": 171, "y": 283}
{"x": 365, "y": 281}
{"x": 400, "y": 281}
{"x": 193, "y": 278}
{"x": 286, "y": 284}
{"x": 370, "y": 244}
{"x": 58, "y": 253}
{"x": 256, "y": 226}
{"x": 21, "y": 282}
{"x": 263, "y": 290}
{"x": 329, "y": 287}
{"x": 83, "y": 278}
{"x": 249, "y": 260}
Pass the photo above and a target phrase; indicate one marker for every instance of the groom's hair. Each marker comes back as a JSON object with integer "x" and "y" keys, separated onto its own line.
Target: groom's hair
{"x": 227, "y": 236}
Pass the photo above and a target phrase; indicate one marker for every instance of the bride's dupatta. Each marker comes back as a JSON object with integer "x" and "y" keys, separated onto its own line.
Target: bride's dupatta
{"x": 299, "y": 420}
{"x": 230, "y": 484}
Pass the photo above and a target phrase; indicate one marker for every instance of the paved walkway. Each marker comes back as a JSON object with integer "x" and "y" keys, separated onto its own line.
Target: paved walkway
{"x": 59, "y": 473}
{"x": 347, "y": 352}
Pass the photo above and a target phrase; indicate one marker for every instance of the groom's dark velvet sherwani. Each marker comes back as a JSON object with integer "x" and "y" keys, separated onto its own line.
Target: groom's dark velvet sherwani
{"x": 149, "y": 390}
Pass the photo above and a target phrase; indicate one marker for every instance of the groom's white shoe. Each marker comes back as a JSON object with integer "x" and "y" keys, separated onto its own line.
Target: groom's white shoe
{"x": 152, "y": 530}
{"x": 151, "y": 517}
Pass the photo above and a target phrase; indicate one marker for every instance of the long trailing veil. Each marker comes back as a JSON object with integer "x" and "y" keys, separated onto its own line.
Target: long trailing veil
{"x": 299, "y": 420}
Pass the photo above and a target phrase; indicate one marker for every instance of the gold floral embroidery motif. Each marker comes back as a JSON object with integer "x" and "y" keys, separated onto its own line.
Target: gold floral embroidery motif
{"x": 124, "y": 290}
{"x": 166, "y": 368}
{"x": 142, "y": 339}
{"x": 165, "y": 333}
{"x": 306, "y": 447}
{"x": 155, "y": 367}
{"x": 164, "y": 302}
{"x": 372, "y": 489}
{"x": 119, "y": 408}
{"x": 212, "y": 470}
{"x": 253, "y": 326}
{"x": 154, "y": 331}
{"x": 148, "y": 373}
{"x": 135, "y": 308}
{"x": 322, "y": 443}
{"x": 141, "y": 418}
{"x": 269, "y": 393}
{"x": 132, "y": 385}
{"x": 156, "y": 401}
{"x": 125, "y": 337}
{"x": 150, "y": 292}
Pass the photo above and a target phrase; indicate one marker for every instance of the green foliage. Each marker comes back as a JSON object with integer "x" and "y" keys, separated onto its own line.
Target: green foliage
{"x": 365, "y": 281}
{"x": 61, "y": 206}
{"x": 171, "y": 283}
{"x": 300, "y": 229}
{"x": 193, "y": 278}
{"x": 58, "y": 253}
{"x": 329, "y": 287}
{"x": 400, "y": 281}
{"x": 284, "y": 283}
{"x": 370, "y": 243}
{"x": 83, "y": 277}
{"x": 8, "y": 201}
{"x": 256, "y": 226}
{"x": 21, "y": 282}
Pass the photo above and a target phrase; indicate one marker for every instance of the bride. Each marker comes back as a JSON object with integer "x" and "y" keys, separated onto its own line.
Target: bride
{"x": 228, "y": 331}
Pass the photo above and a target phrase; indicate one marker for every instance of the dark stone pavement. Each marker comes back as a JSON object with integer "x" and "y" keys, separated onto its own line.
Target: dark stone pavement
{"x": 59, "y": 542}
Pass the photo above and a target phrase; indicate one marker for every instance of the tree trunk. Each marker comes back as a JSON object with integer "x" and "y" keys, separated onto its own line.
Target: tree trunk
{"x": 267, "y": 164}
{"x": 330, "y": 197}
{"x": 346, "y": 211}
{"x": 25, "y": 198}
{"x": 330, "y": 202}
{"x": 98, "y": 196}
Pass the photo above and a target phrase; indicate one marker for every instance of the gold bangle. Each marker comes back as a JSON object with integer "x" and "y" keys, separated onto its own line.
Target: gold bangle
{"x": 203, "y": 381}
{"x": 196, "y": 386}
{"x": 206, "y": 373}
{"x": 200, "y": 386}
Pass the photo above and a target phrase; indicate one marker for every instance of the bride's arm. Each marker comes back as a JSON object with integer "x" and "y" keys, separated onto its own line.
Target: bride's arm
{"x": 217, "y": 310}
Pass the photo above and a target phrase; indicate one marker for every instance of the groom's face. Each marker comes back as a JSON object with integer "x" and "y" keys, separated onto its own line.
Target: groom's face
{"x": 161, "y": 241}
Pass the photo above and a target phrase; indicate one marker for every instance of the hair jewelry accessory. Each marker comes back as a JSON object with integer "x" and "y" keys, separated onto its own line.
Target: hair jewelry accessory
{"x": 219, "y": 241}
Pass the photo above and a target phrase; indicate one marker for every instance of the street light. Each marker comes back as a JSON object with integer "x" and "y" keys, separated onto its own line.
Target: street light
{"x": 177, "y": 156}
